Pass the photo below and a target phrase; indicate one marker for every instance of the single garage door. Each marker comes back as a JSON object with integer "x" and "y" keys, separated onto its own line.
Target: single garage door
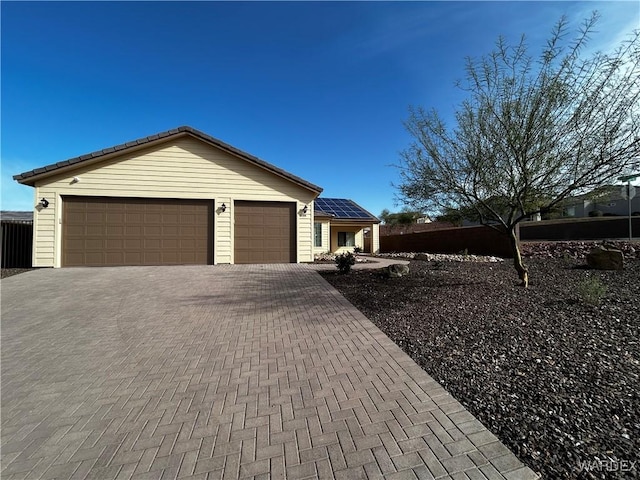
{"x": 102, "y": 231}
{"x": 264, "y": 232}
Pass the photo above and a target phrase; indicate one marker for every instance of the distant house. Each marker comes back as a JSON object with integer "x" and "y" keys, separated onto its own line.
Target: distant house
{"x": 607, "y": 200}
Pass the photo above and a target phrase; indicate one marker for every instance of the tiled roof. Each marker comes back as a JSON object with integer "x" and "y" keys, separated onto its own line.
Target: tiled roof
{"x": 29, "y": 177}
{"x": 342, "y": 209}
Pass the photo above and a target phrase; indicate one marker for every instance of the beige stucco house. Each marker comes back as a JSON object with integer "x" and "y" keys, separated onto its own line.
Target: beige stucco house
{"x": 180, "y": 197}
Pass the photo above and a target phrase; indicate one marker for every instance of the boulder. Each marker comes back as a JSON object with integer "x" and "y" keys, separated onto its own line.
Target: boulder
{"x": 422, "y": 256}
{"x": 605, "y": 258}
{"x": 397, "y": 270}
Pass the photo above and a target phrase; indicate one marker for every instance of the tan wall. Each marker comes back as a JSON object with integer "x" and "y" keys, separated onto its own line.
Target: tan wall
{"x": 375, "y": 238}
{"x": 181, "y": 168}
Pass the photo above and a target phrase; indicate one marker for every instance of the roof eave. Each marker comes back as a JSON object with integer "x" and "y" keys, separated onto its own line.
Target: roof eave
{"x": 356, "y": 220}
{"x": 31, "y": 177}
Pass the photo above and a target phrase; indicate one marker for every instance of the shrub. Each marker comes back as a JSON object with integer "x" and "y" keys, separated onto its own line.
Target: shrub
{"x": 595, "y": 213}
{"x": 345, "y": 261}
{"x": 357, "y": 250}
{"x": 592, "y": 290}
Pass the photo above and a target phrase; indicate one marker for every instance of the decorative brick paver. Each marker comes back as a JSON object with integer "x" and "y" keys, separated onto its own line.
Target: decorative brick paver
{"x": 219, "y": 372}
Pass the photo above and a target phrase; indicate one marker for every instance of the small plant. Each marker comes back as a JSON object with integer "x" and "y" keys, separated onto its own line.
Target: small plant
{"x": 345, "y": 261}
{"x": 592, "y": 290}
{"x": 357, "y": 250}
{"x": 567, "y": 259}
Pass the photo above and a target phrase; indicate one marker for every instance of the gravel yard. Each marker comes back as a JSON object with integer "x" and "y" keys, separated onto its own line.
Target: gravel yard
{"x": 555, "y": 377}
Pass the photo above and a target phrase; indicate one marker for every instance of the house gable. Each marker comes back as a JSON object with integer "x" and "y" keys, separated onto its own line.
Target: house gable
{"x": 30, "y": 177}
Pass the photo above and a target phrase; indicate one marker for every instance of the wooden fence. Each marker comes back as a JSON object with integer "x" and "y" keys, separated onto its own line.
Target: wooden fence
{"x": 481, "y": 240}
{"x": 478, "y": 240}
{"x": 603, "y": 228}
{"x": 16, "y": 237}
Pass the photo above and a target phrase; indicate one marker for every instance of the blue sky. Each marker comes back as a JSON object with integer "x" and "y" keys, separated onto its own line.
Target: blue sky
{"x": 318, "y": 89}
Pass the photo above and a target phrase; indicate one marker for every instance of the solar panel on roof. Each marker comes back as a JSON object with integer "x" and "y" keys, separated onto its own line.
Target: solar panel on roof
{"x": 342, "y": 208}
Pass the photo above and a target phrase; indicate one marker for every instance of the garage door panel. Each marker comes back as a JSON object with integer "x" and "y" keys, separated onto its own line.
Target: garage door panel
{"x": 132, "y": 231}
{"x": 113, "y": 244}
{"x": 132, "y": 244}
{"x": 170, "y": 219}
{"x": 150, "y": 244}
{"x": 150, "y": 218}
{"x": 114, "y": 217}
{"x": 133, "y": 218}
{"x": 95, "y": 218}
{"x": 173, "y": 244}
{"x": 170, "y": 230}
{"x": 133, "y": 257}
{"x": 152, "y": 258}
{"x": 94, "y": 244}
{"x": 114, "y": 230}
{"x": 152, "y": 230}
{"x": 94, "y": 258}
{"x": 94, "y": 230}
{"x": 264, "y": 232}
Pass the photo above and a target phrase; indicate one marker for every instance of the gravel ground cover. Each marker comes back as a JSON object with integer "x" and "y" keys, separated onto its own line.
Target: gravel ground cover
{"x": 555, "y": 377}
{"x": 9, "y": 272}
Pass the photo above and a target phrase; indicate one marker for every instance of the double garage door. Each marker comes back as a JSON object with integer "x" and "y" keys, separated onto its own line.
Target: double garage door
{"x": 104, "y": 231}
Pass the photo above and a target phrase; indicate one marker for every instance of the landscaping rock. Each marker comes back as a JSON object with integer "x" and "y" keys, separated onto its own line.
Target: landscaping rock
{"x": 397, "y": 270}
{"x": 574, "y": 249}
{"x": 605, "y": 258}
{"x": 554, "y": 377}
{"x": 441, "y": 257}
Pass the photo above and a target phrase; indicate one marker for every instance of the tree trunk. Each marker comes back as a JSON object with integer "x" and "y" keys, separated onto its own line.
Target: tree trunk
{"x": 523, "y": 273}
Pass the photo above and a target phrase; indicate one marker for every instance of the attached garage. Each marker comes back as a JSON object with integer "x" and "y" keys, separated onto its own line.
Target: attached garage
{"x": 264, "y": 232}
{"x": 176, "y": 197}
{"x": 103, "y": 231}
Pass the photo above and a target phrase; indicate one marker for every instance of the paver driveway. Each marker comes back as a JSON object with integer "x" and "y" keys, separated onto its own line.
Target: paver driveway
{"x": 219, "y": 372}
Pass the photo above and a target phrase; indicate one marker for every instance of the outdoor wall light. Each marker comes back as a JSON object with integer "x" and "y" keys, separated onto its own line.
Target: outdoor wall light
{"x": 223, "y": 208}
{"x": 44, "y": 202}
{"x": 305, "y": 209}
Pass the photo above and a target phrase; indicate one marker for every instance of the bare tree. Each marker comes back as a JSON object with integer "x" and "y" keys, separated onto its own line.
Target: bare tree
{"x": 531, "y": 132}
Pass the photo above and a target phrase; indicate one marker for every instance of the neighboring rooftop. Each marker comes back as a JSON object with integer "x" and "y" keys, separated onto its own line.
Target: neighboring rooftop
{"x": 13, "y": 216}
{"x": 28, "y": 178}
{"x": 342, "y": 209}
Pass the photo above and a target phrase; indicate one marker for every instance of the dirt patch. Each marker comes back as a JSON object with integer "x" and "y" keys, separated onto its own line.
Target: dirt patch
{"x": 554, "y": 377}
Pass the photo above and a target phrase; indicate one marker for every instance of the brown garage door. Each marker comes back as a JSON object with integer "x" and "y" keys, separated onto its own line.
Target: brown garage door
{"x": 101, "y": 231}
{"x": 264, "y": 232}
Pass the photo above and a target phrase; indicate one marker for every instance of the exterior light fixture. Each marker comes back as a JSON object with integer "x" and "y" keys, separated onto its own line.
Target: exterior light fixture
{"x": 44, "y": 202}
{"x": 223, "y": 208}
{"x": 305, "y": 209}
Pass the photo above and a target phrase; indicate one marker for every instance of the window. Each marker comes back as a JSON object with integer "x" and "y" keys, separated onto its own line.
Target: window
{"x": 317, "y": 234}
{"x": 346, "y": 239}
